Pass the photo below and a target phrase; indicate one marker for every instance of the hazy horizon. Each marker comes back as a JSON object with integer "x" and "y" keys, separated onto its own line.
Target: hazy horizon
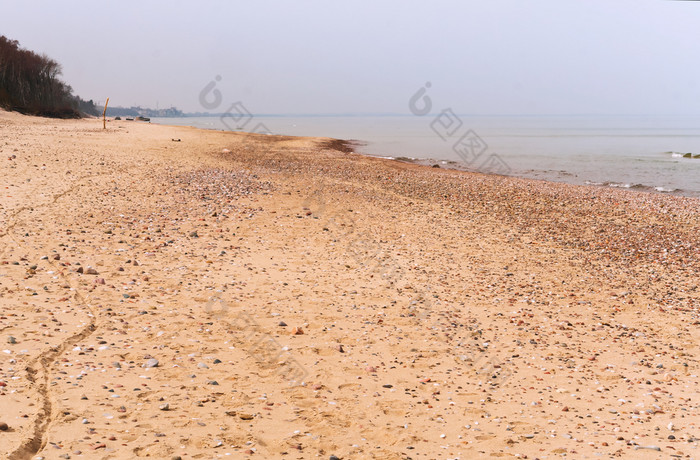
{"x": 497, "y": 58}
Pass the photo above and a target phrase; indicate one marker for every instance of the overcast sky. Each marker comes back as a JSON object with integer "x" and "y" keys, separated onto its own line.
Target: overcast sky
{"x": 370, "y": 56}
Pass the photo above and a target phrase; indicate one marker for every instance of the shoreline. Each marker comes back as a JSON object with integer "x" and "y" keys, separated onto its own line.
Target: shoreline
{"x": 172, "y": 291}
{"x": 448, "y": 164}
{"x": 570, "y": 176}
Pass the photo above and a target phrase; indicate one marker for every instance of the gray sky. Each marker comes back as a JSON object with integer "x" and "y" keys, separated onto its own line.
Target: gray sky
{"x": 482, "y": 57}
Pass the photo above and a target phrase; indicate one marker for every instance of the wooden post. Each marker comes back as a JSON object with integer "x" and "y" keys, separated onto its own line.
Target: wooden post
{"x": 104, "y": 119}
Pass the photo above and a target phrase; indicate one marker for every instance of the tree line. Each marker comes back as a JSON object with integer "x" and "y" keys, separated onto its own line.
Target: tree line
{"x": 30, "y": 84}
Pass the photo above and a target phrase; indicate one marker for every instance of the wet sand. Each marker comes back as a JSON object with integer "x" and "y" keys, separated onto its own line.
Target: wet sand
{"x": 169, "y": 292}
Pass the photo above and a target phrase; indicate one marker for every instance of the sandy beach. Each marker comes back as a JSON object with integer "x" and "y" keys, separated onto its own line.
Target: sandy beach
{"x": 175, "y": 293}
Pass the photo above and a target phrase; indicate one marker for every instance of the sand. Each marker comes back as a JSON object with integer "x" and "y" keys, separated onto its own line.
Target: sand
{"x": 168, "y": 292}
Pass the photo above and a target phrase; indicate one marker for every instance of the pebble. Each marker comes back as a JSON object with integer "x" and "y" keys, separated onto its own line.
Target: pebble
{"x": 3, "y": 426}
{"x": 11, "y": 340}
{"x": 164, "y": 407}
{"x": 151, "y": 363}
{"x": 656, "y": 448}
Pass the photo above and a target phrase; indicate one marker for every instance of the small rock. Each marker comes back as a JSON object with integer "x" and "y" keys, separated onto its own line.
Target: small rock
{"x": 165, "y": 406}
{"x": 91, "y": 271}
{"x": 3, "y": 426}
{"x": 202, "y": 366}
{"x": 11, "y": 340}
{"x": 298, "y": 331}
{"x": 212, "y": 382}
{"x": 151, "y": 363}
{"x": 282, "y": 324}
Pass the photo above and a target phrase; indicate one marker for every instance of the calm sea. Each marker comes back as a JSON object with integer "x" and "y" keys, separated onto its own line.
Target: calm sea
{"x": 634, "y": 152}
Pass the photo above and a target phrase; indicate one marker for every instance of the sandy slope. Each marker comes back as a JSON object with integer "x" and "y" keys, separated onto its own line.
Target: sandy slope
{"x": 302, "y": 302}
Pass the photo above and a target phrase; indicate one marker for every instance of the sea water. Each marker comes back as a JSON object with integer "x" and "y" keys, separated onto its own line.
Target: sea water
{"x": 635, "y": 152}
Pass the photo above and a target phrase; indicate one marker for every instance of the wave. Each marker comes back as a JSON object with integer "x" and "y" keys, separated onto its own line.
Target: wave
{"x": 641, "y": 187}
{"x": 684, "y": 155}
